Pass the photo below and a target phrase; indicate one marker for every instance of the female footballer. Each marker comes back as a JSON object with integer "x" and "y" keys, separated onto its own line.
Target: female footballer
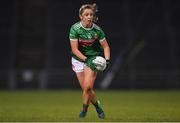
{"x": 87, "y": 40}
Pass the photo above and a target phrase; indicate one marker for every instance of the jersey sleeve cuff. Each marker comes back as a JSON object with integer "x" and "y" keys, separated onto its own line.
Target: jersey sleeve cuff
{"x": 103, "y": 39}
{"x": 73, "y": 39}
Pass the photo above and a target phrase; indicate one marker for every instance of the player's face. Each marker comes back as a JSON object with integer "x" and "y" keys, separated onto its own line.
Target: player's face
{"x": 87, "y": 17}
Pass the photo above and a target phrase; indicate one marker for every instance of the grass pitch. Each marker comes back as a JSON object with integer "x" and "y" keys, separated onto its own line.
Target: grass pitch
{"x": 64, "y": 105}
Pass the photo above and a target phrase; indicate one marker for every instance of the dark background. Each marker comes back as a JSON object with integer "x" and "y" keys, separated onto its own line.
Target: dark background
{"x": 143, "y": 36}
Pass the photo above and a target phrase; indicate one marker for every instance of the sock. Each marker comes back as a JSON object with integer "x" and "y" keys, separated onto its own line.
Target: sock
{"x": 96, "y": 104}
{"x": 85, "y": 107}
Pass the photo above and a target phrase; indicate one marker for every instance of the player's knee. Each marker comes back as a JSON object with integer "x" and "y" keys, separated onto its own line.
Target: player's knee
{"x": 88, "y": 89}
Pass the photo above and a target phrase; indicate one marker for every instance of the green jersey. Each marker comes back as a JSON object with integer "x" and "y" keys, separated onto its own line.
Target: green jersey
{"x": 88, "y": 39}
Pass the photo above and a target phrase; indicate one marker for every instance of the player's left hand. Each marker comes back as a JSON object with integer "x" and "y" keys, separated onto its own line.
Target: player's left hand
{"x": 107, "y": 64}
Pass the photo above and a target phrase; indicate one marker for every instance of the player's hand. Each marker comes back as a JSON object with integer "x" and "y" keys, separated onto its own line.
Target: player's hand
{"x": 86, "y": 60}
{"x": 89, "y": 63}
{"x": 107, "y": 64}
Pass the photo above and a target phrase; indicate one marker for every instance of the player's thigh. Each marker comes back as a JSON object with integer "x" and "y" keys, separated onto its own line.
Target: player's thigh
{"x": 78, "y": 68}
{"x": 80, "y": 76}
{"x": 89, "y": 77}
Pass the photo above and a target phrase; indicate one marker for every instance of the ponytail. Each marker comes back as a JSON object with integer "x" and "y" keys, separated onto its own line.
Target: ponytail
{"x": 95, "y": 10}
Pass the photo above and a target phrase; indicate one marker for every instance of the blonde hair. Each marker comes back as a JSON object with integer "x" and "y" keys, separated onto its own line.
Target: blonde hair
{"x": 93, "y": 7}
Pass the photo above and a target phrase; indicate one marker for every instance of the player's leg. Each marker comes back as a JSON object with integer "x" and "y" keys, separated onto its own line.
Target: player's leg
{"x": 80, "y": 76}
{"x": 78, "y": 68}
{"x": 89, "y": 77}
{"x": 97, "y": 105}
{"x": 88, "y": 92}
{"x": 93, "y": 97}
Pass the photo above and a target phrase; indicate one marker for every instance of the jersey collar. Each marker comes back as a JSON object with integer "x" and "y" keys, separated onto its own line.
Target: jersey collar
{"x": 87, "y": 28}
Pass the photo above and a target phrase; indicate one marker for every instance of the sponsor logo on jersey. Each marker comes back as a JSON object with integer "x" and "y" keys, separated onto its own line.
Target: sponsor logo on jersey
{"x": 86, "y": 42}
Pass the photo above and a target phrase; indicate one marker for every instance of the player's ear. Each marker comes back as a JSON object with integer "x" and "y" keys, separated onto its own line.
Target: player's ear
{"x": 80, "y": 17}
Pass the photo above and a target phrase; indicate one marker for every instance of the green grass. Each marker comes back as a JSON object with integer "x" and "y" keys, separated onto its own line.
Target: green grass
{"x": 140, "y": 106}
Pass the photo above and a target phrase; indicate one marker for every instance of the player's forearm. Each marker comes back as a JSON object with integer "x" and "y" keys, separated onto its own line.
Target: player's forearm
{"x": 107, "y": 53}
{"x": 79, "y": 54}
